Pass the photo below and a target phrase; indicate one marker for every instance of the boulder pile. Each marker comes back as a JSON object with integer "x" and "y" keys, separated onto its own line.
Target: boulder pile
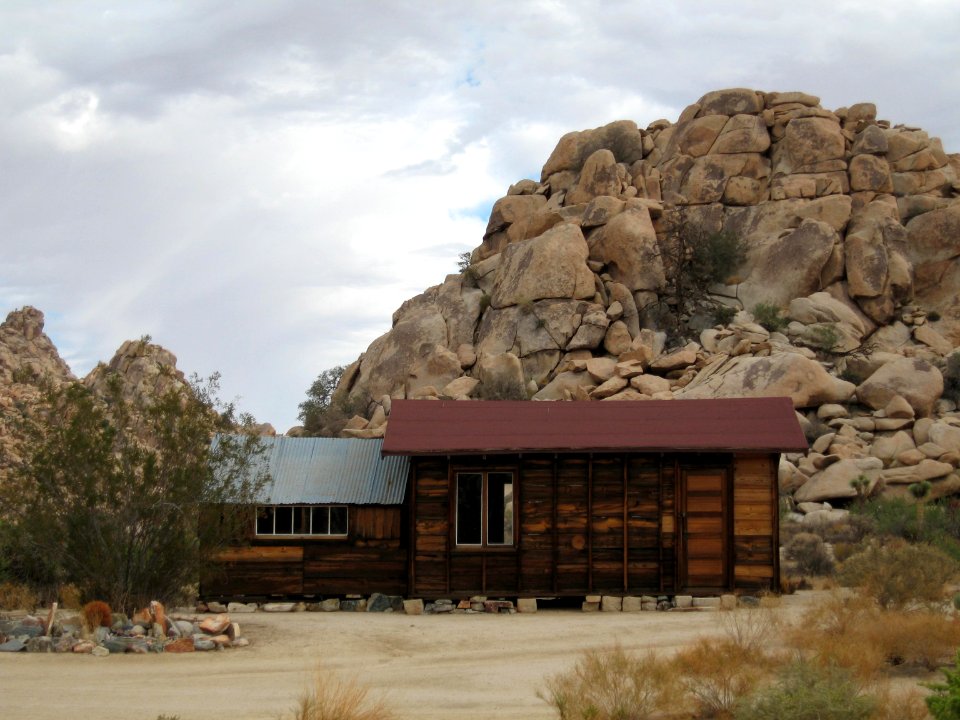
{"x": 851, "y": 231}
{"x": 150, "y": 630}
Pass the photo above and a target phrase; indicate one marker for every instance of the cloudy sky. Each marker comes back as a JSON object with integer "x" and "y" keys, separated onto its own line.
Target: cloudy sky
{"x": 258, "y": 185}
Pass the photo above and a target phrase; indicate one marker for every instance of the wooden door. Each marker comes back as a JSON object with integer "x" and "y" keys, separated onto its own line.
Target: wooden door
{"x": 704, "y": 524}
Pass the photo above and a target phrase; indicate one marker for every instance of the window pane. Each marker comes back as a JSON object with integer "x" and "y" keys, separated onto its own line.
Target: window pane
{"x": 469, "y": 508}
{"x": 301, "y": 520}
{"x": 284, "y": 524}
{"x": 500, "y": 508}
{"x": 264, "y": 521}
{"x": 338, "y": 520}
{"x": 321, "y": 521}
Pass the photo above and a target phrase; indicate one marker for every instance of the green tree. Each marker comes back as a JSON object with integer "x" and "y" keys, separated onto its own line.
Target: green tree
{"x": 130, "y": 503}
{"x": 695, "y": 259}
{"x": 322, "y": 413}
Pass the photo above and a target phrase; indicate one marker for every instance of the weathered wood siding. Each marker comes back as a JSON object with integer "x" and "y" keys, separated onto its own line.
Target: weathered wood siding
{"x": 756, "y": 515}
{"x": 602, "y": 524}
{"x": 372, "y": 558}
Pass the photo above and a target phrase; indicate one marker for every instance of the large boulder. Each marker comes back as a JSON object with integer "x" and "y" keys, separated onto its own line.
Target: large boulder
{"x": 622, "y": 138}
{"x": 916, "y": 380}
{"x": 599, "y": 177}
{"x": 553, "y": 265}
{"x": 791, "y": 375}
{"x": 628, "y": 246}
{"x": 788, "y": 266}
{"x": 834, "y": 482}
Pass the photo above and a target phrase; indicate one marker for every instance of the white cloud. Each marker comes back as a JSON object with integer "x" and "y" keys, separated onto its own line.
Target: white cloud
{"x": 259, "y": 185}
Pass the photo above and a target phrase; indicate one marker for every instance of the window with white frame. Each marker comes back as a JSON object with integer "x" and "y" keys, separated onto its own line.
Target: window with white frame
{"x": 303, "y": 520}
{"x": 485, "y": 513}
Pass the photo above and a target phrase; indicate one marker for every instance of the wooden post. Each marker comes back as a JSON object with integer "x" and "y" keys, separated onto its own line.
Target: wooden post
{"x": 51, "y": 616}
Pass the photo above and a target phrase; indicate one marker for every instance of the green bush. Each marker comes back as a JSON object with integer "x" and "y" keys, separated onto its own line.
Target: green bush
{"x": 898, "y": 575}
{"x": 768, "y": 315}
{"x": 944, "y": 702}
{"x": 810, "y": 554}
{"x": 805, "y": 691}
{"x": 723, "y": 314}
{"x": 824, "y": 337}
{"x": 898, "y": 517}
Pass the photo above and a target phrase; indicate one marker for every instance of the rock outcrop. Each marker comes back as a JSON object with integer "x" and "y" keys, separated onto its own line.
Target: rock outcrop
{"x": 850, "y": 227}
{"x": 28, "y": 359}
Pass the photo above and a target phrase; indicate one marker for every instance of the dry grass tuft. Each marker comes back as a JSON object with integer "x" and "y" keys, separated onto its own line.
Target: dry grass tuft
{"x": 893, "y": 704}
{"x": 15, "y": 596}
{"x": 334, "y": 698}
{"x": 851, "y": 631}
{"x": 611, "y": 685}
{"x": 715, "y": 675}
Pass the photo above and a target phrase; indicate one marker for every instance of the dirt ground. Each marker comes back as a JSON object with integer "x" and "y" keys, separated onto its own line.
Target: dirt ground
{"x": 431, "y": 666}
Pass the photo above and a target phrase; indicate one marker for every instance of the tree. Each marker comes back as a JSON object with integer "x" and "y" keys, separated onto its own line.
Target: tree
{"x": 695, "y": 259}
{"x": 130, "y": 503}
{"x": 321, "y": 414}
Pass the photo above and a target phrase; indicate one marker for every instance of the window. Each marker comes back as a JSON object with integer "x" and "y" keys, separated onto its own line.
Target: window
{"x": 485, "y": 509}
{"x": 312, "y": 520}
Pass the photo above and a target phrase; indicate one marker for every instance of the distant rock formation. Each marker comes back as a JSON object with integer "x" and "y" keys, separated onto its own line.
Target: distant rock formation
{"x": 852, "y": 231}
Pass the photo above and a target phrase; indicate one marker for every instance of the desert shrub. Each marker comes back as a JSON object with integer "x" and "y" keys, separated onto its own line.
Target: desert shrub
{"x": 723, "y": 314}
{"x": 334, "y": 698}
{"x": 717, "y": 674}
{"x": 610, "y": 685}
{"x": 749, "y": 629}
{"x": 843, "y": 550}
{"x": 898, "y": 517}
{"x": 806, "y": 691}
{"x": 944, "y": 702}
{"x": 96, "y": 613}
{"x": 768, "y": 315}
{"x": 70, "y": 597}
{"x": 17, "y": 596}
{"x": 921, "y": 639}
{"x": 898, "y": 575}
{"x": 901, "y": 704}
{"x": 463, "y": 260}
{"x": 829, "y": 635}
{"x": 824, "y": 337}
{"x": 810, "y": 554}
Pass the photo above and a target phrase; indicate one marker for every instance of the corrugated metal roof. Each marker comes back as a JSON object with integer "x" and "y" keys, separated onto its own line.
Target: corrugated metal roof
{"x": 500, "y": 426}
{"x": 332, "y": 470}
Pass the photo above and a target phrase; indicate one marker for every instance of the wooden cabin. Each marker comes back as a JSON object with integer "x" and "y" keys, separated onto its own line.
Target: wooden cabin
{"x": 330, "y": 522}
{"x": 530, "y": 499}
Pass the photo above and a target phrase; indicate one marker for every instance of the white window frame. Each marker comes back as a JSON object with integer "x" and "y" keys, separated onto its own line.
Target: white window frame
{"x": 309, "y": 533}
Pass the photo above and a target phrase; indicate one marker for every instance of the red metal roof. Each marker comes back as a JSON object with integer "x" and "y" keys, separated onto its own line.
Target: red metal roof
{"x": 448, "y": 427}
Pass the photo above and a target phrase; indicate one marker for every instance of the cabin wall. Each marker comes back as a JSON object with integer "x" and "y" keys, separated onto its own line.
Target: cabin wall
{"x": 372, "y": 558}
{"x": 601, "y": 524}
{"x": 756, "y": 515}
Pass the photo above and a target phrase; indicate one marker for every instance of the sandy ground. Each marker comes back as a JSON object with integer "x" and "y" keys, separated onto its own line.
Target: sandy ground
{"x": 436, "y": 666}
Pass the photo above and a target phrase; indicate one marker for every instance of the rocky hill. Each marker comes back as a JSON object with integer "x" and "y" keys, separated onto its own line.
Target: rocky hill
{"x": 29, "y": 361}
{"x": 851, "y": 229}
